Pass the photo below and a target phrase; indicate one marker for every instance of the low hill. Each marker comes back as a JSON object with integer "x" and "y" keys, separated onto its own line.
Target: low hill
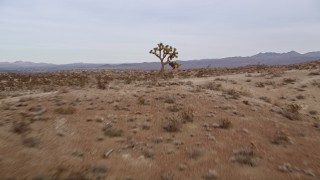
{"x": 269, "y": 58}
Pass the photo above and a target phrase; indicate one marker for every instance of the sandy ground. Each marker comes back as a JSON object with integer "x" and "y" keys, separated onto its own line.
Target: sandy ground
{"x": 235, "y": 126}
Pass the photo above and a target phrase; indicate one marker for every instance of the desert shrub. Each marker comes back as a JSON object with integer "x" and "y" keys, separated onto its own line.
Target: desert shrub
{"x": 294, "y": 107}
{"x": 100, "y": 82}
{"x": 261, "y": 67}
{"x": 65, "y": 111}
{"x": 172, "y": 124}
{"x": 292, "y": 111}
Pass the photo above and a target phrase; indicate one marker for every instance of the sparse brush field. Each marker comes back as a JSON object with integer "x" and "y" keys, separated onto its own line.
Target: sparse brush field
{"x": 254, "y": 122}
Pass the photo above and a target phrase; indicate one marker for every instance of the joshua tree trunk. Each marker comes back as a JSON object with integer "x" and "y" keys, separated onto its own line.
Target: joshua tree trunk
{"x": 162, "y": 67}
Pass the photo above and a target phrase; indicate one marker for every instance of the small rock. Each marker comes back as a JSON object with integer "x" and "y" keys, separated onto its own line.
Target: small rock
{"x": 178, "y": 143}
{"x": 182, "y": 167}
{"x": 212, "y": 174}
{"x": 211, "y": 138}
{"x": 245, "y": 130}
{"x": 286, "y": 167}
{"x": 253, "y": 109}
{"x": 78, "y": 154}
{"x": 276, "y": 109}
{"x": 100, "y": 138}
{"x": 89, "y": 120}
{"x": 215, "y": 125}
{"x": 210, "y": 115}
{"x": 145, "y": 126}
{"x": 60, "y": 133}
{"x": 99, "y": 169}
{"x": 170, "y": 151}
{"x": 99, "y": 119}
{"x": 309, "y": 172}
{"x": 107, "y": 154}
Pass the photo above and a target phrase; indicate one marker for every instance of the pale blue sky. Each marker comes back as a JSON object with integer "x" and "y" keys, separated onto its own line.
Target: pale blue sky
{"x": 118, "y": 31}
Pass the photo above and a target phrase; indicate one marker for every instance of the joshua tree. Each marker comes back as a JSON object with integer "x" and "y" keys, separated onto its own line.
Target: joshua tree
{"x": 165, "y": 53}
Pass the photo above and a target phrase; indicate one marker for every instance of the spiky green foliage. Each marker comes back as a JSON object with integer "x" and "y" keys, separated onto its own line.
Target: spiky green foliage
{"x": 165, "y": 53}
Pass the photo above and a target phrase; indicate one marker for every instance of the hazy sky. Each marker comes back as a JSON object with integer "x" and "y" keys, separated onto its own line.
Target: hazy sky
{"x": 117, "y": 31}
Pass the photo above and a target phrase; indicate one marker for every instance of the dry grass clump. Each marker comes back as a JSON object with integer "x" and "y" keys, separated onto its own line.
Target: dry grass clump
{"x": 300, "y": 96}
{"x": 289, "y": 80}
{"x": 244, "y": 156}
{"x": 259, "y": 84}
{"x": 187, "y": 115}
{"x": 166, "y": 176}
{"x": 2, "y": 95}
{"x": 170, "y": 99}
{"x": 265, "y": 99}
{"x": 142, "y": 101}
{"x": 212, "y": 86}
{"x": 316, "y": 82}
{"x": 63, "y": 90}
{"x": 313, "y": 112}
{"x": 101, "y": 84}
{"x": 314, "y": 73}
{"x": 65, "y": 111}
{"x": 194, "y": 153}
{"x": 172, "y": 124}
{"x": 148, "y": 153}
{"x": 112, "y": 132}
{"x": 30, "y": 141}
{"x": 225, "y": 124}
{"x": 232, "y": 93}
{"x": 20, "y": 127}
{"x": 173, "y": 108}
{"x": 281, "y": 138}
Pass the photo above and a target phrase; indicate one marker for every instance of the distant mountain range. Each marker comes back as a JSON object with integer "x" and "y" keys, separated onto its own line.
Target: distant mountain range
{"x": 269, "y": 58}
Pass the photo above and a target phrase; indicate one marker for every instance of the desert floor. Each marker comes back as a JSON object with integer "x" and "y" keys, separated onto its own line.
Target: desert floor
{"x": 258, "y": 124}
